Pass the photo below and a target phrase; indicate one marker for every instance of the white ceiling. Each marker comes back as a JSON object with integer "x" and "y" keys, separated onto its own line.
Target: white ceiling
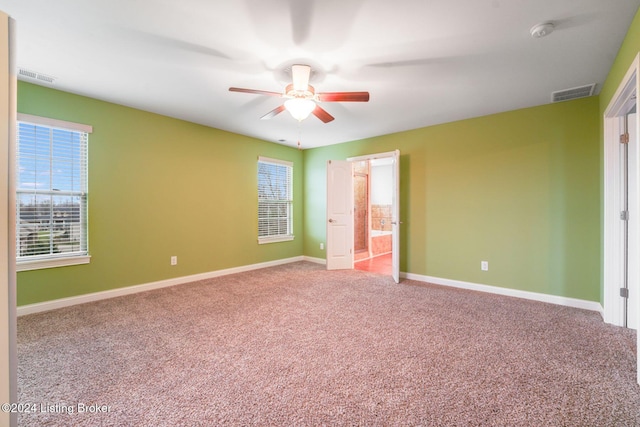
{"x": 424, "y": 62}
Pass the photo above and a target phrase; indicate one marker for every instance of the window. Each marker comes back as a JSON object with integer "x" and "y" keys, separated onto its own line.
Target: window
{"x": 51, "y": 193}
{"x": 275, "y": 200}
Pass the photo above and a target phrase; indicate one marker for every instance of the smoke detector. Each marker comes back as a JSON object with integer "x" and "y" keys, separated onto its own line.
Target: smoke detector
{"x": 541, "y": 30}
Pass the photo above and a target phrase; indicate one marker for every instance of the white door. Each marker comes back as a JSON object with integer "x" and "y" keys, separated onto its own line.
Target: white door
{"x": 633, "y": 230}
{"x": 633, "y": 302}
{"x": 628, "y": 219}
{"x": 395, "y": 221}
{"x": 339, "y": 215}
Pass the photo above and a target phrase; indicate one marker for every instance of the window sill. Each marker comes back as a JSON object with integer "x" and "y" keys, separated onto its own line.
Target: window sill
{"x": 52, "y": 263}
{"x": 265, "y": 240}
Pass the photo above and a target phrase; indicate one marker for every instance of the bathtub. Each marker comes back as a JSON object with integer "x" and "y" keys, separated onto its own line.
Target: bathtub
{"x": 380, "y": 242}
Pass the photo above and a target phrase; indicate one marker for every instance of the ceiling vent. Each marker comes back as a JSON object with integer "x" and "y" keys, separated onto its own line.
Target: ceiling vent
{"x": 573, "y": 93}
{"x": 34, "y": 75}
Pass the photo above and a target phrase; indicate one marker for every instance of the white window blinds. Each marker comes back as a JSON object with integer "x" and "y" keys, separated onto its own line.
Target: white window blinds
{"x": 275, "y": 200}
{"x": 51, "y": 189}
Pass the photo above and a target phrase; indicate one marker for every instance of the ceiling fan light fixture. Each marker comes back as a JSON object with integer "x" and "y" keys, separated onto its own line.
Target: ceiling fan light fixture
{"x": 300, "y": 108}
{"x": 302, "y": 97}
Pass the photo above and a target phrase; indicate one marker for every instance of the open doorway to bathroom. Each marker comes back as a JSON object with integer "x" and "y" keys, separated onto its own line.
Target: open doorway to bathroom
{"x": 373, "y": 214}
{"x": 340, "y": 211}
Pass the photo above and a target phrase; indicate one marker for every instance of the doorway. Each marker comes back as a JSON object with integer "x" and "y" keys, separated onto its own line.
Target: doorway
{"x": 361, "y": 210}
{"x": 341, "y": 205}
{"x": 373, "y": 215}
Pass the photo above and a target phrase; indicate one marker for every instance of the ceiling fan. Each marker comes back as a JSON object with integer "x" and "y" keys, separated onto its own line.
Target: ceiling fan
{"x": 302, "y": 98}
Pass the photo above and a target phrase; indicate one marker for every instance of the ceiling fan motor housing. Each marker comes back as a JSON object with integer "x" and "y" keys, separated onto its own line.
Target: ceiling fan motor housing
{"x": 293, "y": 93}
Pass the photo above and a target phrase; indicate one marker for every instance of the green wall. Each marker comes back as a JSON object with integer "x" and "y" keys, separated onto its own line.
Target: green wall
{"x": 518, "y": 189}
{"x": 159, "y": 187}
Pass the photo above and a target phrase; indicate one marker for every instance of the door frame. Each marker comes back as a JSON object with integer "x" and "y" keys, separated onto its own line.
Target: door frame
{"x": 395, "y": 221}
{"x": 619, "y": 105}
{"x": 8, "y": 97}
{"x": 612, "y": 267}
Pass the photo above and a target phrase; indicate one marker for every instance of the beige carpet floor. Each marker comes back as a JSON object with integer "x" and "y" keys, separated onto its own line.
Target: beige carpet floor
{"x": 296, "y": 345}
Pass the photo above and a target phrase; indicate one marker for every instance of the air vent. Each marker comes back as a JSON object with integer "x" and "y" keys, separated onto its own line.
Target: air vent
{"x": 34, "y": 75}
{"x": 573, "y": 93}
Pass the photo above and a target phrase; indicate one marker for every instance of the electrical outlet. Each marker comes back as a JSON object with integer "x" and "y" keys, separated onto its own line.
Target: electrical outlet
{"x": 321, "y": 246}
{"x": 484, "y": 265}
{"x": 174, "y": 260}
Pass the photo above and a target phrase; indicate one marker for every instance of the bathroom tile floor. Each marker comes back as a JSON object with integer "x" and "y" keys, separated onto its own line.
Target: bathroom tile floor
{"x": 379, "y": 264}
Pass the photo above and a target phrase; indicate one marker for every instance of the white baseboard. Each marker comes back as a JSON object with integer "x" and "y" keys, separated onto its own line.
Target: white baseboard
{"x": 96, "y": 296}
{"x": 315, "y": 260}
{"x": 534, "y": 296}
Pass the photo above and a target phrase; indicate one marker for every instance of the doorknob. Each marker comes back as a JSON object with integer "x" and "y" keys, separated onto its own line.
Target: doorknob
{"x": 332, "y": 220}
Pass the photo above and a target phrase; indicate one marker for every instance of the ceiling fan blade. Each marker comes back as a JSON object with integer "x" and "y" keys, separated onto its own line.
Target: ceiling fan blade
{"x": 322, "y": 114}
{"x": 343, "y": 96}
{"x": 300, "y": 75}
{"x": 273, "y": 113}
{"x": 258, "y": 92}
